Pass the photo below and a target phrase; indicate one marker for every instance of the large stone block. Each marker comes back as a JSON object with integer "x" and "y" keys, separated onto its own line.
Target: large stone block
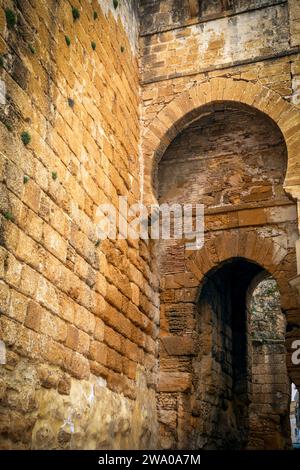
{"x": 174, "y": 382}
{"x": 178, "y": 345}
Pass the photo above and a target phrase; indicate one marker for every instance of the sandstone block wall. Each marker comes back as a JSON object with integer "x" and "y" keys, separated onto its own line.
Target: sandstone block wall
{"x": 174, "y": 59}
{"x": 183, "y": 56}
{"x": 232, "y": 160}
{"x": 271, "y": 388}
{"x": 78, "y": 317}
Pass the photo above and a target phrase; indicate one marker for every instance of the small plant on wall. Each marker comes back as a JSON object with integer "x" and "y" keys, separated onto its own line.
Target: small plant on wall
{"x": 71, "y": 103}
{"x": 11, "y": 18}
{"x": 31, "y": 48}
{"x": 25, "y": 137}
{"x": 8, "y": 215}
{"x": 116, "y": 4}
{"x": 94, "y": 45}
{"x": 68, "y": 40}
{"x": 75, "y": 13}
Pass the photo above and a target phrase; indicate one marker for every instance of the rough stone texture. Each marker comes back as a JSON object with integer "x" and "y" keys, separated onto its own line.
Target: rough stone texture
{"x": 269, "y": 409}
{"x": 212, "y": 44}
{"x": 163, "y": 15}
{"x": 176, "y": 97}
{"x": 231, "y": 154}
{"x": 232, "y": 159}
{"x": 83, "y": 414}
{"x": 267, "y": 320}
{"x": 80, "y": 319}
{"x": 84, "y": 310}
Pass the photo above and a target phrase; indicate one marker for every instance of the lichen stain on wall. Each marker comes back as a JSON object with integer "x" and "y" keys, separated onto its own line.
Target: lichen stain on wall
{"x": 215, "y": 43}
{"x": 93, "y": 417}
{"x": 126, "y": 13}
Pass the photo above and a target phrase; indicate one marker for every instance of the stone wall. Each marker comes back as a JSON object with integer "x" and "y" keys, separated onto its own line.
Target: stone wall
{"x": 187, "y": 62}
{"x": 270, "y": 401}
{"x": 176, "y": 59}
{"x": 163, "y": 15}
{"x": 229, "y": 157}
{"x": 78, "y": 316}
{"x": 174, "y": 97}
{"x": 232, "y": 159}
{"x": 213, "y": 44}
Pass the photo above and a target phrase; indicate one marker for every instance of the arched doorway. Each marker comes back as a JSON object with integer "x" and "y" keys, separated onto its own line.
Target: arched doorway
{"x": 222, "y": 404}
{"x": 232, "y": 159}
{"x": 270, "y": 398}
{"x": 243, "y": 401}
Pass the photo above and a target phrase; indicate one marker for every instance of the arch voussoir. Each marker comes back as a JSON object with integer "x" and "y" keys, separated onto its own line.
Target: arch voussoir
{"x": 248, "y": 245}
{"x": 227, "y": 246}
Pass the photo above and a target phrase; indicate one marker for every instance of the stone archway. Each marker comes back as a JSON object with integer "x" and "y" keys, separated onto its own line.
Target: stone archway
{"x": 240, "y": 239}
{"x": 186, "y": 359}
{"x": 184, "y": 108}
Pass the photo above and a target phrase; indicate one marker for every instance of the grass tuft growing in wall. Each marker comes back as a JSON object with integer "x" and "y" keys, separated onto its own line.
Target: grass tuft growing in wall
{"x": 116, "y": 4}
{"x": 75, "y": 13}
{"x": 54, "y": 175}
{"x": 8, "y": 215}
{"x": 122, "y": 49}
{"x": 94, "y": 45}
{"x": 68, "y": 40}
{"x": 11, "y": 18}
{"x": 95, "y": 15}
{"x": 25, "y": 179}
{"x": 31, "y": 48}
{"x": 25, "y": 137}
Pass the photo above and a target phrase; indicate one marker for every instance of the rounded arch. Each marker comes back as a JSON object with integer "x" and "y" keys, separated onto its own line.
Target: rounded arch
{"x": 185, "y": 107}
{"x": 239, "y": 342}
{"x": 247, "y": 245}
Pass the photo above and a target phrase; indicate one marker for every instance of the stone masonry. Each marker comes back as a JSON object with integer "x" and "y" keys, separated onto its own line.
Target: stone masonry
{"x": 78, "y": 317}
{"x": 200, "y": 70}
{"x": 268, "y": 414}
{"x": 121, "y": 344}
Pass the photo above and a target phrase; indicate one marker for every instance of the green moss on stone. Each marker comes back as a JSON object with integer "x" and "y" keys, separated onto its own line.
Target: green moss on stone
{"x": 11, "y": 18}
{"x": 25, "y": 137}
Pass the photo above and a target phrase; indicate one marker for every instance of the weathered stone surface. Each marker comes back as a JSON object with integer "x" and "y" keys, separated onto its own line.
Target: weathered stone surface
{"x": 178, "y": 345}
{"x": 66, "y": 300}
{"x": 270, "y": 382}
{"x": 220, "y": 159}
{"x": 84, "y": 415}
{"x": 174, "y": 382}
{"x": 87, "y": 110}
{"x": 208, "y": 45}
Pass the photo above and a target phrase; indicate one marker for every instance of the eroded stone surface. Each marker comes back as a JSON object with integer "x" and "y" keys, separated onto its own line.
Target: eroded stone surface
{"x": 79, "y": 318}
{"x": 42, "y": 409}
